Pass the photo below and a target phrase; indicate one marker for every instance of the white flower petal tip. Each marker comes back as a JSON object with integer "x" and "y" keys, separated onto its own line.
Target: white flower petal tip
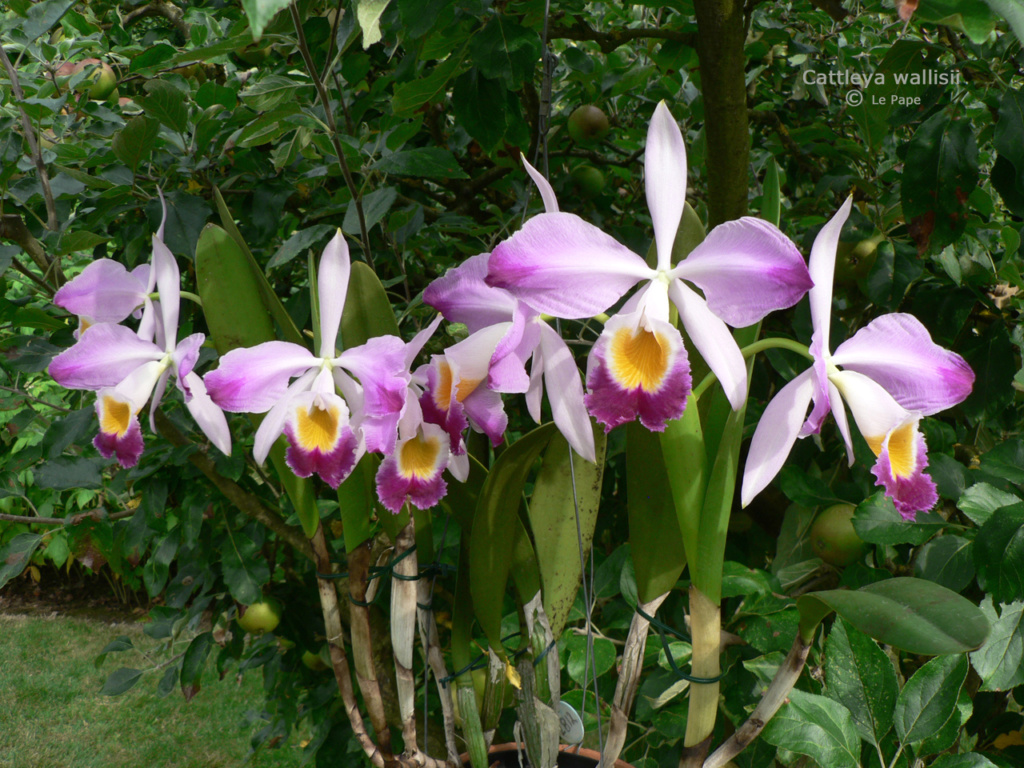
{"x": 547, "y": 193}
{"x": 902, "y": 457}
{"x": 665, "y": 180}
{"x": 120, "y": 435}
{"x": 319, "y": 438}
{"x": 640, "y": 370}
{"x": 413, "y": 472}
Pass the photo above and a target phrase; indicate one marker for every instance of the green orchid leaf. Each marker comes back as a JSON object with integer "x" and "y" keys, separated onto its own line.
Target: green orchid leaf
{"x": 270, "y": 299}
{"x": 911, "y": 614}
{"x": 368, "y": 311}
{"x": 655, "y": 539}
{"x": 237, "y": 316}
{"x": 494, "y": 527}
{"x": 553, "y": 522}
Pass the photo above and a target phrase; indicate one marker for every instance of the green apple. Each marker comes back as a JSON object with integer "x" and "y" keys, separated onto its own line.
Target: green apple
{"x": 588, "y": 125}
{"x": 100, "y": 80}
{"x": 260, "y": 617}
{"x": 588, "y": 180}
{"x": 833, "y": 537}
{"x": 313, "y": 661}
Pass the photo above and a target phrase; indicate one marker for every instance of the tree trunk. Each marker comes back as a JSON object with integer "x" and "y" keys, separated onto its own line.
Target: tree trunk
{"x": 720, "y": 40}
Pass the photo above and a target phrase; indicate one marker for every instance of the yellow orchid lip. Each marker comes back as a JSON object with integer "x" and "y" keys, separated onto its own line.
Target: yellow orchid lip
{"x": 443, "y": 391}
{"x": 317, "y": 429}
{"x": 418, "y": 458}
{"x": 639, "y": 359}
{"x": 902, "y": 446}
{"x": 115, "y": 416}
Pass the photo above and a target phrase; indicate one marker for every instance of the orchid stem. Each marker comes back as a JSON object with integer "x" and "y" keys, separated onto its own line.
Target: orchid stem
{"x": 193, "y": 297}
{"x": 752, "y": 349}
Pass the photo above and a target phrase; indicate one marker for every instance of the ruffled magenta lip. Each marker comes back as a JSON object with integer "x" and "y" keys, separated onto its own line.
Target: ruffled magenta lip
{"x": 333, "y": 466}
{"x": 127, "y": 448}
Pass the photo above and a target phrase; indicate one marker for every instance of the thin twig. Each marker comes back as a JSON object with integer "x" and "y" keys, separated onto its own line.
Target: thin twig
{"x": 325, "y": 101}
{"x": 96, "y": 514}
{"x": 33, "y": 143}
{"x": 33, "y": 398}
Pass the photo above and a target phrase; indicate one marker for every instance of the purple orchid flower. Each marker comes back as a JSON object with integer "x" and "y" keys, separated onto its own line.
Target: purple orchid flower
{"x": 561, "y": 265}
{"x": 892, "y": 375}
{"x": 106, "y": 292}
{"x": 463, "y": 296}
{"x": 128, "y": 369}
{"x": 323, "y": 434}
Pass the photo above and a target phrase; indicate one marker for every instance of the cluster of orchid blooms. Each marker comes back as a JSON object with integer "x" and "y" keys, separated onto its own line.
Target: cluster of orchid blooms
{"x": 333, "y": 408}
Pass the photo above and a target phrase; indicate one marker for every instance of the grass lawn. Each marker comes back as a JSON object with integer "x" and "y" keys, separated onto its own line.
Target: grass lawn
{"x": 52, "y": 715}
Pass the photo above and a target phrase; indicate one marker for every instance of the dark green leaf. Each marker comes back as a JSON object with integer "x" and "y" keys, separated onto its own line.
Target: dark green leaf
{"x": 65, "y": 472}
{"x": 911, "y": 614}
{"x": 39, "y": 19}
{"x": 133, "y": 143}
{"x": 877, "y": 522}
{"x": 118, "y": 645}
{"x": 299, "y": 243}
{"x": 966, "y": 760}
{"x": 999, "y": 554}
{"x": 948, "y": 733}
{"x": 245, "y": 571}
{"x": 506, "y": 50}
{"x": 428, "y": 162}
{"x": 991, "y": 355}
{"x": 818, "y": 727}
{"x": 971, "y": 17}
{"x": 601, "y": 661}
{"x": 482, "y": 107}
{"x": 861, "y": 677}
{"x": 805, "y": 490}
{"x": 375, "y": 207}
{"x": 67, "y": 430}
{"x": 1000, "y": 661}
{"x": 940, "y": 173}
{"x": 193, "y": 662}
{"x": 1006, "y": 460}
{"x": 15, "y": 557}
{"x": 929, "y": 698}
{"x": 260, "y": 12}
{"x": 165, "y": 103}
{"x": 946, "y": 560}
{"x": 412, "y": 95}
{"x": 981, "y": 500}
{"x": 120, "y": 681}
{"x": 153, "y": 59}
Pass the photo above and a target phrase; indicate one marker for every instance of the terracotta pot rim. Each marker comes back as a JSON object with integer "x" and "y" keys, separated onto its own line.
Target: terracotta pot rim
{"x": 572, "y": 749}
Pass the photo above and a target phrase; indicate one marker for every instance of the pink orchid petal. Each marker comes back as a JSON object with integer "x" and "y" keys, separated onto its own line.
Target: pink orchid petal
{"x": 822, "y": 266}
{"x": 897, "y": 351}
{"x": 746, "y": 269}
{"x": 547, "y": 193}
{"x": 168, "y": 280}
{"x": 665, "y": 180}
{"x": 254, "y": 379}
{"x": 414, "y": 347}
{"x": 841, "y": 421}
{"x": 462, "y": 296}
{"x": 185, "y": 355}
{"x": 565, "y": 393}
{"x": 822, "y": 388}
{"x": 379, "y": 365}
{"x": 713, "y": 340}
{"x": 775, "y": 435}
{"x": 535, "y": 393}
{"x": 874, "y": 410}
{"x": 207, "y": 415}
{"x": 158, "y": 390}
{"x": 104, "y": 356}
{"x": 561, "y": 265}
{"x": 105, "y": 292}
{"x": 332, "y": 287}
{"x": 486, "y": 413}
